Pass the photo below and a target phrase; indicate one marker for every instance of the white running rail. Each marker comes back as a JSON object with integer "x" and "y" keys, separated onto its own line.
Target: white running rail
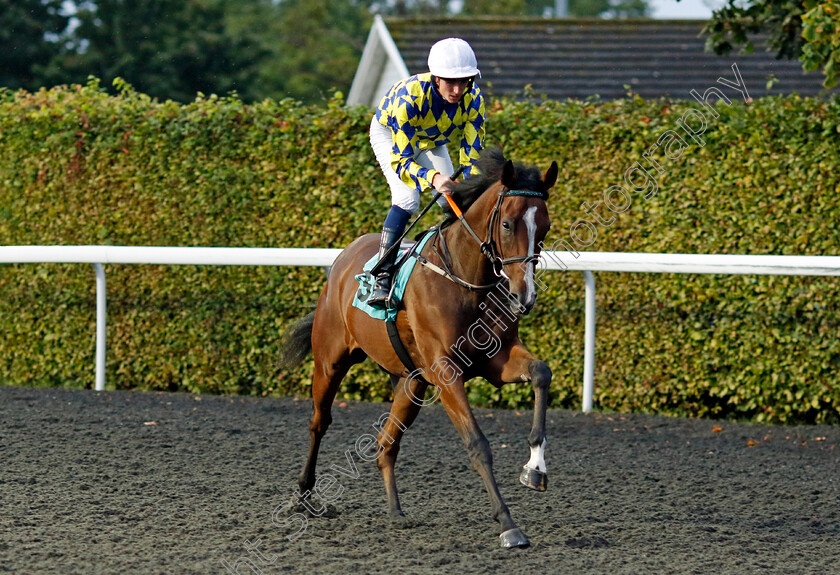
{"x": 587, "y": 262}
{"x": 98, "y": 255}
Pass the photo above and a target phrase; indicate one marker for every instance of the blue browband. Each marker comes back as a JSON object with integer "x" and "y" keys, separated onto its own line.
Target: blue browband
{"x": 529, "y": 193}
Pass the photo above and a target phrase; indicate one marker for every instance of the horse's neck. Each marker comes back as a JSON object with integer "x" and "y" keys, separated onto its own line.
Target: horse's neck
{"x": 467, "y": 260}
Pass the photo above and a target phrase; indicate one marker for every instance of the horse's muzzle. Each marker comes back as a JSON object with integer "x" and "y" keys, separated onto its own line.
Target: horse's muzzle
{"x": 521, "y": 304}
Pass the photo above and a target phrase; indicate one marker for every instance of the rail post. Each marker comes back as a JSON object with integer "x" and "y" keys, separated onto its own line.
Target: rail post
{"x": 589, "y": 342}
{"x": 101, "y": 325}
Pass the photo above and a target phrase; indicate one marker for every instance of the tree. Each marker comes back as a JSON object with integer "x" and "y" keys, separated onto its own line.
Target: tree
{"x": 495, "y": 8}
{"x": 412, "y": 7}
{"x": 29, "y": 31}
{"x": 165, "y": 48}
{"x": 821, "y": 31}
{"x": 804, "y": 29}
{"x": 317, "y": 46}
{"x": 259, "y": 48}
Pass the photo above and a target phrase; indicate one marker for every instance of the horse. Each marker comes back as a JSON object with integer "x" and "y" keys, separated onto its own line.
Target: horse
{"x": 459, "y": 319}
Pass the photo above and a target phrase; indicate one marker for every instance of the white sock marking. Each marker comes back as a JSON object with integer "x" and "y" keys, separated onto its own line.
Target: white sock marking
{"x": 537, "y": 460}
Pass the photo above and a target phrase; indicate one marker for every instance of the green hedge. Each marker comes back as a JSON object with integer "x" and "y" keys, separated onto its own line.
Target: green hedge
{"x": 81, "y": 167}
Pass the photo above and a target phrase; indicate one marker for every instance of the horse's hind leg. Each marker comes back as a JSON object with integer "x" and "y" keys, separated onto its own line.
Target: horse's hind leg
{"x": 330, "y": 368}
{"x": 392, "y": 426}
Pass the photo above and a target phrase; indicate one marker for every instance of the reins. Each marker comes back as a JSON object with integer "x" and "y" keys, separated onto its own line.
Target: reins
{"x": 488, "y": 247}
{"x": 446, "y": 271}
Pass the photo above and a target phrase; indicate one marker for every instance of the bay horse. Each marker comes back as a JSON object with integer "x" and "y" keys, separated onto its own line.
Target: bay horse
{"x": 459, "y": 319}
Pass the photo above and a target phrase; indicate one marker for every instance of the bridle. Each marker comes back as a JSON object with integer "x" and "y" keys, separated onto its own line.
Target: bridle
{"x": 488, "y": 247}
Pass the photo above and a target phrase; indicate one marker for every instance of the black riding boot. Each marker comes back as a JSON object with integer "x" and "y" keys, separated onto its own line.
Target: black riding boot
{"x": 382, "y": 285}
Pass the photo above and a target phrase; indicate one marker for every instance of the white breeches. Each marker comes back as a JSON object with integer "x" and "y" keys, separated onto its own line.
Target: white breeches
{"x": 402, "y": 195}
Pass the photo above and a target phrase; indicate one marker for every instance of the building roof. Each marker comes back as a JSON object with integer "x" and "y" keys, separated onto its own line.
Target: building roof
{"x": 574, "y": 58}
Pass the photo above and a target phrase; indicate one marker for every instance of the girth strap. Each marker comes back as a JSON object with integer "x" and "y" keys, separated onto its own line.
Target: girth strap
{"x": 399, "y": 348}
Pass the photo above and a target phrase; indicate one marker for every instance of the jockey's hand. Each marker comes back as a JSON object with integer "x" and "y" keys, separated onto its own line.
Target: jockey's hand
{"x": 442, "y": 183}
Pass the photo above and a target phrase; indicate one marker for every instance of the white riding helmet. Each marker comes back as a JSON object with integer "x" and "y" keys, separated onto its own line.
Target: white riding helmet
{"x": 453, "y": 58}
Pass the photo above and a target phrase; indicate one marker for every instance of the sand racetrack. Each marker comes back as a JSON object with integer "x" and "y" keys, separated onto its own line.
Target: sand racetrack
{"x": 130, "y": 482}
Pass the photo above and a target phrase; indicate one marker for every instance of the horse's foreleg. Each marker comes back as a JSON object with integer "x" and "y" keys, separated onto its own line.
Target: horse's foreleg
{"x": 534, "y": 472}
{"x": 455, "y": 401}
{"x": 403, "y": 413}
{"x": 516, "y": 366}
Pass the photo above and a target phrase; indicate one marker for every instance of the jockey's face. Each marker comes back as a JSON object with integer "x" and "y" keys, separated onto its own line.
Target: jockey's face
{"x": 452, "y": 90}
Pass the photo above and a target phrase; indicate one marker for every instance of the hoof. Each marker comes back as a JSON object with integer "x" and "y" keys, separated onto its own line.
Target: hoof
{"x": 326, "y": 511}
{"x": 534, "y": 479}
{"x": 400, "y": 521}
{"x": 396, "y": 517}
{"x": 514, "y": 538}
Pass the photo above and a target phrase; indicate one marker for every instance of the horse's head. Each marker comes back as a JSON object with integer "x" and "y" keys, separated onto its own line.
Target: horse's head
{"x": 508, "y": 214}
{"x": 518, "y": 225}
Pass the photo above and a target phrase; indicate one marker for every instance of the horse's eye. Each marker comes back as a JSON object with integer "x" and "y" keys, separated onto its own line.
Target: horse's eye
{"x": 506, "y": 226}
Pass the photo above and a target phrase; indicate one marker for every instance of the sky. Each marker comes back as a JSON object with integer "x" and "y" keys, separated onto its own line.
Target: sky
{"x": 689, "y": 9}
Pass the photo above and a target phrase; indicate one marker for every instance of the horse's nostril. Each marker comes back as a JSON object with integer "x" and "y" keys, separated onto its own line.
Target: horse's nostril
{"x": 520, "y": 305}
{"x": 527, "y": 304}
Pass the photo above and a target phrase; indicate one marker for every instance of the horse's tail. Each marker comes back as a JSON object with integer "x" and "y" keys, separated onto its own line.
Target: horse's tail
{"x": 297, "y": 341}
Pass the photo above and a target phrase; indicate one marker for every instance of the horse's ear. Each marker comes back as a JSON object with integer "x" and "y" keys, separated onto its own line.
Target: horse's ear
{"x": 508, "y": 175}
{"x": 550, "y": 177}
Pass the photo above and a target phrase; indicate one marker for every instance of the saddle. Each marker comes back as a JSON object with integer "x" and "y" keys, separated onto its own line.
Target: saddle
{"x": 403, "y": 268}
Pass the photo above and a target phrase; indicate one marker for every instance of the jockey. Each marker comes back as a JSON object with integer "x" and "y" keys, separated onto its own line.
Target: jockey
{"x": 409, "y": 134}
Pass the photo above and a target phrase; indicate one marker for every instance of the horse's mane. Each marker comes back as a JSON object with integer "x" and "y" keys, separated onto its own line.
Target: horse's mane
{"x": 490, "y": 165}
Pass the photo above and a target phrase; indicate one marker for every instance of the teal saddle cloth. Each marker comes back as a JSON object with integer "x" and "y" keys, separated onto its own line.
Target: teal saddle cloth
{"x": 398, "y": 284}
